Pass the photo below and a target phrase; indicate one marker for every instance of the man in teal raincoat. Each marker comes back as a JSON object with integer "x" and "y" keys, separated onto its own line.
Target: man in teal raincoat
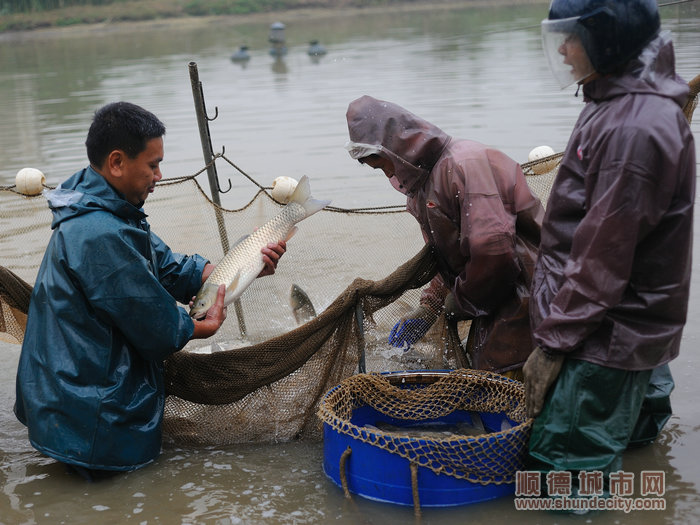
{"x": 103, "y": 314}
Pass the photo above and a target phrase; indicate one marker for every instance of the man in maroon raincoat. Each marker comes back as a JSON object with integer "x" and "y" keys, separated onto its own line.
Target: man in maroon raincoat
{"x": 611, "y": 285}
{"x": 475, "y": 208}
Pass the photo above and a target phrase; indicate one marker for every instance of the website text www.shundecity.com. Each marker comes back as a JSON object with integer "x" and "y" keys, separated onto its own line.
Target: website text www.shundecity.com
{"x": 590, "y": 493}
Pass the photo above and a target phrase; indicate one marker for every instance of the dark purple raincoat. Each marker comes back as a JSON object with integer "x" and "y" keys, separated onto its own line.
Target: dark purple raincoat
{"x": 474, "y": 206}
{"x": 612, "y": 279}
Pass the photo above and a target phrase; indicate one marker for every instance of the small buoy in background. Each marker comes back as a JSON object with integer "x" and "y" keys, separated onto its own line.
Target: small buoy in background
{"x": 241, "y": 55}
{"x": 316, "y": 49}
{"x": 540, "y": 152}
{"x": 29, "y": 181}
{"x": 277, "y": 39}
{"x": 282, "y": 189}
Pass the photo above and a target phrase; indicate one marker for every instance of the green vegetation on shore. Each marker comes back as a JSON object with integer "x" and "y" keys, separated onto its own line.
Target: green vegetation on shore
{"x": 19, "y": 15}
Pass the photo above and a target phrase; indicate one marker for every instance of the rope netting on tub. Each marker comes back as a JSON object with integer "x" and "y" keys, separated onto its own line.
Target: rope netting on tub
{"x": 491, "y": 457}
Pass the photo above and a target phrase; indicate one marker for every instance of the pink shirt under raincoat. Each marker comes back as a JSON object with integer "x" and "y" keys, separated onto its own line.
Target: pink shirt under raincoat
{"x": 475, "y": 208}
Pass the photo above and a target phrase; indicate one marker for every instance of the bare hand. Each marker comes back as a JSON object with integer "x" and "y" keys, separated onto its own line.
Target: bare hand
{"x": 217, "y": 312}
{"x": 214, "y": 318}
{"x": 271, "y": 256}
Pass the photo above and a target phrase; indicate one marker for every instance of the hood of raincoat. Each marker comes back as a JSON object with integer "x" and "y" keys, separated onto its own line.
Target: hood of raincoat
{"x": 474, "y": 206}
{"x": 412, "y": 144}
{"x": 653, "y": 72}
{"x": 85, "y": 192}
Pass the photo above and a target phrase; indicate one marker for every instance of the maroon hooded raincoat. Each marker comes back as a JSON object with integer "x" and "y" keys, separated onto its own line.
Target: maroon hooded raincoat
{"x": 475, "y": 208}
{"x": 612, "y": 279}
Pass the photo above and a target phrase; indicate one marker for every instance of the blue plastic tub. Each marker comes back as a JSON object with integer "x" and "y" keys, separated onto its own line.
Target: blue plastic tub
{"x": 376, "y": 473}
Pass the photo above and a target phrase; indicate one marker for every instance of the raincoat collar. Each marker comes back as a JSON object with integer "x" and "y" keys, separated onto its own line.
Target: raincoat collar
{"x": 652, "y": 72}
{"x": 87, "y": 191}
{"x": 412, "y": 144}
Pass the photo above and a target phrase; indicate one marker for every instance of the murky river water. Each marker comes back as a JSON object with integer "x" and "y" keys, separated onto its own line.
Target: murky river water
{"x": 478, "y": 72}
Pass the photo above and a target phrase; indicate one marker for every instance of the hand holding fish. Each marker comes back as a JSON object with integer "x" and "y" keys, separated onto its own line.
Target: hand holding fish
{"x": 245, "y": 261}
{"x": 271, "y": 256}
{"x": 214, "y": 318}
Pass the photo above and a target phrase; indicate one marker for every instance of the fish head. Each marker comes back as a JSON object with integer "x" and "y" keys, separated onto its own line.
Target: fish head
{"x": 203, "y": 301}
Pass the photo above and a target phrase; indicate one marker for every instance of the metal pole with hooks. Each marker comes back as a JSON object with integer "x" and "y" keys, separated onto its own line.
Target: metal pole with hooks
{"x": 214, "y": 187}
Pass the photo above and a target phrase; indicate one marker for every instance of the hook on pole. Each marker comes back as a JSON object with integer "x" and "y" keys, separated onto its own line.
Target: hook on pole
{"x": 218, "y": 186}
{"x": 216, "y": 114}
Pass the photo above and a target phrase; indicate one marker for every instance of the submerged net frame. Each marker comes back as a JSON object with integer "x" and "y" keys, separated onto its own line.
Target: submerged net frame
{"x": 491, "y": 458}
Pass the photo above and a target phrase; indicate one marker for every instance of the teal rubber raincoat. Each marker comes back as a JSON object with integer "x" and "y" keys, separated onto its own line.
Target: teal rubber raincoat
{"x": 102, "y": 318}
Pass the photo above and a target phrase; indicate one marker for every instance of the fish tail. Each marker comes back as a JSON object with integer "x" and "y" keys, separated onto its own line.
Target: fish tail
{"x": 302, "y": 195}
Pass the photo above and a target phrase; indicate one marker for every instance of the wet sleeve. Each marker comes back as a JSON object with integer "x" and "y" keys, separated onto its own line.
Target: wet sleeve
{"x": 180, "y": 274}
{"x": 624, "y": 202}
{"x": 433, "y": 296}
{"x": 124, "y": 293}
{"x": 487, "y": 241}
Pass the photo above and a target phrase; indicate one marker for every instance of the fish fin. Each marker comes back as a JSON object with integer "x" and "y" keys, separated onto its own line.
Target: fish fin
{"x": 291, "y": 233}
{"x": 302, "y": 307}
{"x": 477, "y": 422}
{"x": 232, "y": 287}
{"x": 312, "y": 206}
{"x": 302, "y": 192}
{"x": 302, "y": 195}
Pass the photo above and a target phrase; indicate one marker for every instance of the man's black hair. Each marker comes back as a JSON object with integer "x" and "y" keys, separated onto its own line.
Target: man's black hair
{"x": 123, "y": 126}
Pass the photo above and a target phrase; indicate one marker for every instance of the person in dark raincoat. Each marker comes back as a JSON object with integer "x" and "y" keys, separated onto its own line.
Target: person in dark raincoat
{"x": 611, "y": 284}
{"x": 474, "y": 206}
{"x": 103, "y": 314}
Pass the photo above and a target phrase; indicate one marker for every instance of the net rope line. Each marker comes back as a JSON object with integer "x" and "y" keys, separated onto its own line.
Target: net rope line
{"x": 261, "y": 189}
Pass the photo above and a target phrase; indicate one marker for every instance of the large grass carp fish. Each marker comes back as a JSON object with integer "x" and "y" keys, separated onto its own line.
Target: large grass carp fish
{"x": 243, "y": 263}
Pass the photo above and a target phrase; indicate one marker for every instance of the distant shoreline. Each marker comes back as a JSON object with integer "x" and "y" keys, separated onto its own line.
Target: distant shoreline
{"x": 48, "y": 25}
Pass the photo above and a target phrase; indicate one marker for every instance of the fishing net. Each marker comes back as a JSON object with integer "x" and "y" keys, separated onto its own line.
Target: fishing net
{"x": 692, "y": 101}
{"x": 14, "y": 303}
{"x": 261, "y": 361}
{"x": 489, "y": 458}
{"x": 261, "y": 378}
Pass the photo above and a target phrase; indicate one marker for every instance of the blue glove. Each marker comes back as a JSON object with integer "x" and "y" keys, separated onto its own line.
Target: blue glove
{"x": 412, "y": 328}
{"x": 407, "y": 332}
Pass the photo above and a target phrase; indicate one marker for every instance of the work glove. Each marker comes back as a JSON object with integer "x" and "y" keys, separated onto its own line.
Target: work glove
{"x": 412, "y": 327}
{"x": 540, "y": 370}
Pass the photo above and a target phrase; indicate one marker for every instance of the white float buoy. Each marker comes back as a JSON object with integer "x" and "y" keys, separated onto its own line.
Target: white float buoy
{"x": 283, "y": 188}
{"x": 29, "y": 181}
{"x": 538, "y": 153}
